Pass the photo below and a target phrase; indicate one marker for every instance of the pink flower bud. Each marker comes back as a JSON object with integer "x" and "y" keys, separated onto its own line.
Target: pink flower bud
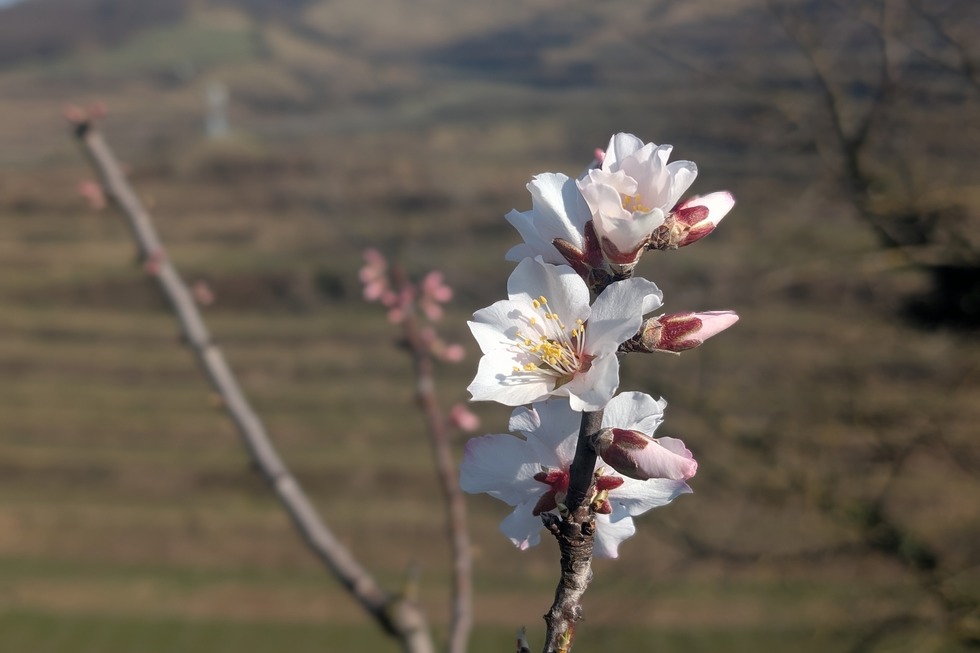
{"x": 454, "y": 353}
{"x": 427, "y": 335}
{"x": 93, "y": 194}
{"x": 153, "y": 262}
{"x": 431, "y": 309}
{"x": 697, "y": 217}
{"x": 463, "y": 419}
{"x": 202, "y": 292}
{"x": 600, "y": 154}
{"x": 396, "y": 316}
{"x": 608, "y": 482}
{"x": 678, "y": 332}
{"x": 375, "y": 259}
{"x": 638, "y": 456}
{"x": 74, "y": 114}
{"x": 604, "y": 507}
{"x": 374, "y": 290}
{"x": 389, "y": 298}
{"x": 434, "y": 287}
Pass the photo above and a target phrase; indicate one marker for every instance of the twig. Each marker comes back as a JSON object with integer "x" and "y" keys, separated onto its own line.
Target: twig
{"x": 462, "y": 599}
{"x": 575, "y": 532}
{"x": 398, "y": 616}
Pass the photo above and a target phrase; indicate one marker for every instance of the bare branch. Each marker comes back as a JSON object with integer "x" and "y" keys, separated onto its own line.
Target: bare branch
{"x": 965, "y": 66}
{"x": 398, "y": 616}
{"x": 462, "y": 602}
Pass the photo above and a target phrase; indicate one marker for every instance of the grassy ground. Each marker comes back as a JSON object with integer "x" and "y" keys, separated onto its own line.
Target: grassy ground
{"x": 129, "y": 519}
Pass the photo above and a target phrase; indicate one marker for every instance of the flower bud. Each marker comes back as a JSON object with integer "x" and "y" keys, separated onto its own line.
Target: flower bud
{"x": 678, "y": 332}
{"x": 94, "y": 194}
{"x": 634, "y": 454}
{"x": 463, "y": 419}
{"x": 692, "y": 220}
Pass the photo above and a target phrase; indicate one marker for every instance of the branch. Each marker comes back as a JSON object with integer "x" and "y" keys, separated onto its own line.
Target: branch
{"x": 398, "y": 616}
{"x": 849, "y": 146}
{"x": 575, "y": 532}
{"x": 966, "y": 67}
{"x": 462, "y": 601}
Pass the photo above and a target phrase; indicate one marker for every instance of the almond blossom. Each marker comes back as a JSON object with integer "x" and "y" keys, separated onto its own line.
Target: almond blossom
{"x": 558, "y": 211}
{"x": 531, "y": 472}
{"x": 632, "y": 193}
{"x": 545, "y": 340}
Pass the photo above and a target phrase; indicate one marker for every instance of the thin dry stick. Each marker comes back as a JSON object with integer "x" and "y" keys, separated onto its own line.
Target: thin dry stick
{"x": 425, "y": 392}
{"x": 398, "y": 616}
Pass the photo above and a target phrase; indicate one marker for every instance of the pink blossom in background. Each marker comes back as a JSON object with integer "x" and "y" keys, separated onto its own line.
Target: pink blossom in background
{"x": 93, "y": 194}
{"x": 464, "y": 419}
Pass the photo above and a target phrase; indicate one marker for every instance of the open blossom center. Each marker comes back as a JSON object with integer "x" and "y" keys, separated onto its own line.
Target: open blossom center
{"x": 634, "y": 204}
{"x": 548, "y": 346}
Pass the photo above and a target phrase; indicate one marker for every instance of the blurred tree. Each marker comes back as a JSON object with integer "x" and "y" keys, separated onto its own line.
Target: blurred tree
{"x": 898, "y": 84}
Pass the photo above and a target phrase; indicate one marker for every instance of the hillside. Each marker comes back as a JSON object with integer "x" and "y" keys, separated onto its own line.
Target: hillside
{"x": 836, "y": 498}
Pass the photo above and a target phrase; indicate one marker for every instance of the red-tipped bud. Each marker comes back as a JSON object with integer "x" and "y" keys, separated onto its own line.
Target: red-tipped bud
{"x": 606, "y": 483}
{"x": 700, "y": 215}
{"x": 552, "y": 477}
{"x": 679, "y": 332}
{"x": 634, "y": 454}
{"x": 546, "y": 503}
{"x": 692, "y": 220}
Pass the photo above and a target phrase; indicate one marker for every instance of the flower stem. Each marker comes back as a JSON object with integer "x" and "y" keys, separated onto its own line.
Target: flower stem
{"x": 583, "y": 465}
{"x": 575, "y": 533}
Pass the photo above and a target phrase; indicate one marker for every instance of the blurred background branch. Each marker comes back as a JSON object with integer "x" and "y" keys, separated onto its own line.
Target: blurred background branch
{"x": 399, "y": 616}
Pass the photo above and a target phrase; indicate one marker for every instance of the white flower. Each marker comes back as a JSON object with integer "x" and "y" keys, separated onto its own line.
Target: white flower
{"x": 547, "y": 340}
{"x": 557, "y": 211}
{"x": 632, "y": 193}
{"x": 531, "y": 473}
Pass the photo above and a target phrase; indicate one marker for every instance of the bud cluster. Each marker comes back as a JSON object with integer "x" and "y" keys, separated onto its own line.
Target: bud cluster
{"x": 404, "y": 300}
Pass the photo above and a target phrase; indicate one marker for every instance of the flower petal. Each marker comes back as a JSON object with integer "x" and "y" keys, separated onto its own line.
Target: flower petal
{"x": 495, "y": 381}
{"x": 554, "y": 442}
{"x": 593, "y": 389}
{"x": 603, "y": 192}
{"x": 609, "y": 534}
{"x": 566, "y": 292}
{"x": 683, "y": 174}
{"x": 522, "y": 527}
{"x": 620, "y": 146}
{"x": 618, "y": 313}
{"x": 501, "y": 465}
{"x": 557, "y": 211}
{"x": 639, "y": 496}
{"x": 634, "y": 410}
{"x": 718, "y": 204}
{"x": 496, "y": 326}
